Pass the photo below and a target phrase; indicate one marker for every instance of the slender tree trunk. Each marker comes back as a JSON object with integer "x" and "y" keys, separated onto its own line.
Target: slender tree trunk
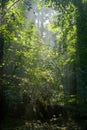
{"x": 1, "y": 62}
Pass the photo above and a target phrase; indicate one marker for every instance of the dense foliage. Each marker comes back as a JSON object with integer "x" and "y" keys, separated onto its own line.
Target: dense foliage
{"x": 72, "y": 21}
{"x": 40, "y": 81}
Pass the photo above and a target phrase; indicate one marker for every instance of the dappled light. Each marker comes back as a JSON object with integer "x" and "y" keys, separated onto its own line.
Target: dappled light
{"x": 43, "y": 65}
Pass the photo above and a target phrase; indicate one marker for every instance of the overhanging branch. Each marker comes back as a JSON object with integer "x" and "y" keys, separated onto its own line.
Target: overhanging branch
{"x": 3, "y": 17}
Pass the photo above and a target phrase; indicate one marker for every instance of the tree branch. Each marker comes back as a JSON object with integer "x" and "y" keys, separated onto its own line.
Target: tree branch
{"x": 9, "y": 9}
{"x": 13, "y": 5}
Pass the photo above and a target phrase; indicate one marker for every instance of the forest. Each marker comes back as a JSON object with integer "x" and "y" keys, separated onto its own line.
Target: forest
{"x": 43, "y": 64}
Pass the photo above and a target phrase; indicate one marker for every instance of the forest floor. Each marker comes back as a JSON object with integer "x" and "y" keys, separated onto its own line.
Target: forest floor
{"x": 53, "y": 124}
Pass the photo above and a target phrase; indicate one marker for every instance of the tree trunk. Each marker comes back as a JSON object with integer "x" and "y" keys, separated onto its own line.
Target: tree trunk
{"x": 82, "y": 55}
{"x": 1, "y": 62}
